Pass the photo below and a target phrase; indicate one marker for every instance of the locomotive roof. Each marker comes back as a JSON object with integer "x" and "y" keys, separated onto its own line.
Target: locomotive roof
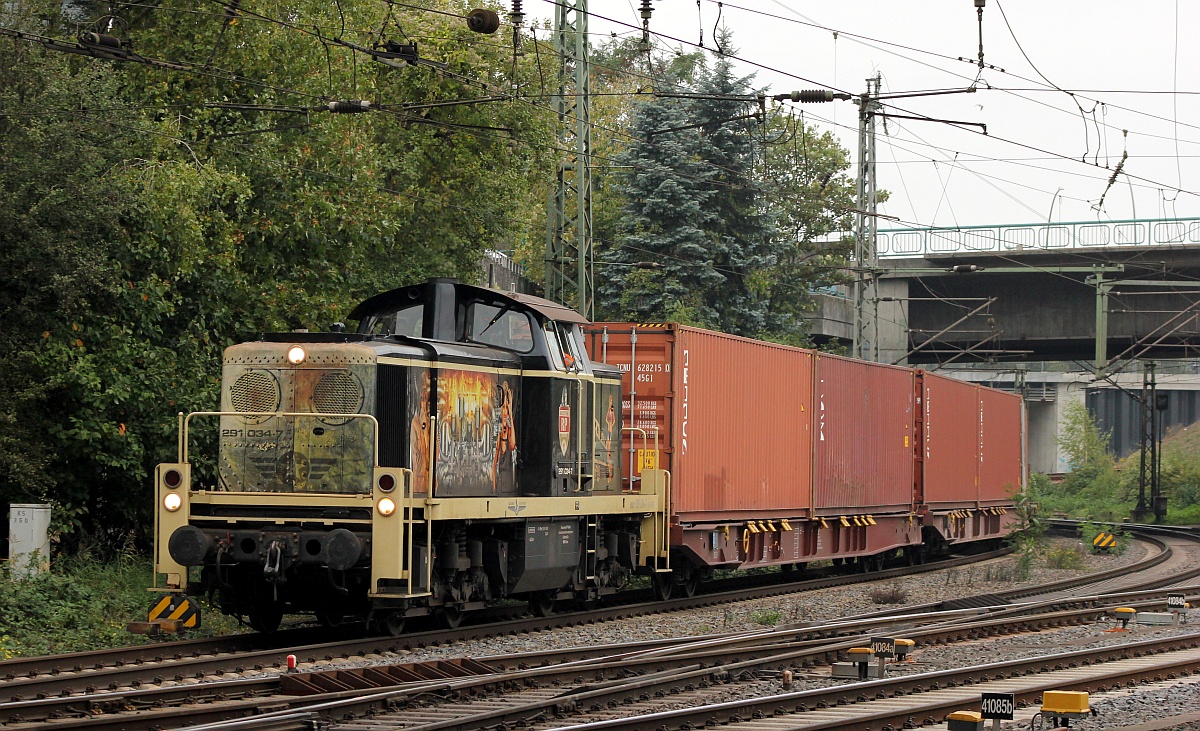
{"x": 418, "y": 292}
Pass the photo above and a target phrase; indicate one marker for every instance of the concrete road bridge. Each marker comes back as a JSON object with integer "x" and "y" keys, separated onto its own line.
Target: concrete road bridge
{"x": 1116, "y": 291}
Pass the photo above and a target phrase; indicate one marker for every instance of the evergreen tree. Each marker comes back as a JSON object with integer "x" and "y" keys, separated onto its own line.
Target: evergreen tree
{"x": 665, "y": 226}
{"x": 742, "y": 238}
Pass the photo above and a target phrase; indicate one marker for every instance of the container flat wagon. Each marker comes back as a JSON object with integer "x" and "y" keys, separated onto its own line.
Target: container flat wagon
{"x": 780, "y": 456}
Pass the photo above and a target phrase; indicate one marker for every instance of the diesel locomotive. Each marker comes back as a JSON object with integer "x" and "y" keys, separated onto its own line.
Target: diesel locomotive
{"x": 466, "y": 446}
{"x": 458, "y": 449}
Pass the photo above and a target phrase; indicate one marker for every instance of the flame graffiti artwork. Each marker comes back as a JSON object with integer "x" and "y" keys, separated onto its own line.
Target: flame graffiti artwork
{"x": 477, "y": 434}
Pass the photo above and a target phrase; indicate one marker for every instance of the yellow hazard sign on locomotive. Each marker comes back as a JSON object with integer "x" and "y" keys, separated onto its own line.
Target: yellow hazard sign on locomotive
{"x": 1104, "y": 541}
{"x": 647, "y": 459}
{"x": 176, "y": 607}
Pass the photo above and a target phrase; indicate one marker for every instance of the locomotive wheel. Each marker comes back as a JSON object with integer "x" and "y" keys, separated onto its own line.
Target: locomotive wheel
{"x": 542, "y": 604}
{"x": 265, "y": 618}
{"x": 330, "y": 619}
{"x": 451, "y": 616}
{"x": 390, "y": 624}
{"x": 663, "y": 584}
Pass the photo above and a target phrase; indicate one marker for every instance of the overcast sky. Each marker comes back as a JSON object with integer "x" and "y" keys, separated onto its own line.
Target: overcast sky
{"x": 941, "y": 175}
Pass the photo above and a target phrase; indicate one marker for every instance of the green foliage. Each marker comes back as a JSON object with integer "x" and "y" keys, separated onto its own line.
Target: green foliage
{"x": 154, "y": 217}
{"x": 82, "y": 603}
{"x": 719, "y": 211}
{"x": 766, "y": 617}
{"x": 1097, "y": 487}
{"x": 1180, "y": 475}
{"x": 1064, "y": 557}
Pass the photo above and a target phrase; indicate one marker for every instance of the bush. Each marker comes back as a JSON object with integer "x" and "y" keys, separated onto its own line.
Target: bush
{"x": 766, "y": 617}
{"x": 1064, "y": 557}
{"x": 81, "y": 604}
{"x": 888, "y": 595}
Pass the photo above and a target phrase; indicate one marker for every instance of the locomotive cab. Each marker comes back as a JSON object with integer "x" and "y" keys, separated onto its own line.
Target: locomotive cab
{"x": 460, "y": 447}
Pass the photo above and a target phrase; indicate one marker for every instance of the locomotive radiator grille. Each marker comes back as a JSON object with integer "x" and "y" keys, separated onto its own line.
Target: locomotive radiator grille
{"x": 338, "y": 392}
{"x": 255, "y": 391}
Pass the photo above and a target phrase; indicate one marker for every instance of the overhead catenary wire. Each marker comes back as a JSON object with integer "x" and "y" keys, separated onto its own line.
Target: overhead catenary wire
{"x": 1057, "y": 156}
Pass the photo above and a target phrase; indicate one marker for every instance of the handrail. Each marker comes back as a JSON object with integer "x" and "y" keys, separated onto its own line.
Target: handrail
{"x": 1048, "y": 236}
{"x": 185, "y": 423}
{"x": 632, "y": 448}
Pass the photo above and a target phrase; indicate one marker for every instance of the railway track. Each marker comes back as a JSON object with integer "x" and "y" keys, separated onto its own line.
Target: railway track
{"x": 563, "y": 684}
{"x": 136, "y": 666}
{"x": 801, "y": 647}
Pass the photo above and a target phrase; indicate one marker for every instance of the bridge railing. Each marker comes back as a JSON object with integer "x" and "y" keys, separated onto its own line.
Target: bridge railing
{"x": 914, "y": 242}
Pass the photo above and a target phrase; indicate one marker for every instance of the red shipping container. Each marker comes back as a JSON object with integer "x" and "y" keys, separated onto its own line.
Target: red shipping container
{"x": 973, "y": 443}
{"x": 734, "y": 416}
{"x": 952, "y": 434}
{"x": 863, "y": 434}
{"x": 1001, "y": 436}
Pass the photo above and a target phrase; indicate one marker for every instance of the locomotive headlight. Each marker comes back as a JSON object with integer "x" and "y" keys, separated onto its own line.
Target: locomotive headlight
{"x": 386, "y": 506}
{"x": 172, "y": 501}
{"x": 296, "y": 355}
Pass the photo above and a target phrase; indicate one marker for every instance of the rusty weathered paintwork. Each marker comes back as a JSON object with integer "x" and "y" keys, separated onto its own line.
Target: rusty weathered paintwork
{"x": 951, "y": 458}
{"x": 972, "y": 443}
{"x": 301, "y": 453}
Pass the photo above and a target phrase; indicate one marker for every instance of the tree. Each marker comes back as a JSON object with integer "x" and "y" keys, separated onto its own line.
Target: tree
{"x": 665, "y": 225}
{"x": 725, "y": 207}
{"x": 811, "y": 195}
{"x": 743, "y": 244}
{"x": 154, "y": 216}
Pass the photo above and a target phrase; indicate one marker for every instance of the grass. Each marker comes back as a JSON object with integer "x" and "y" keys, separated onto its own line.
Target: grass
{"x": 766, "y": 617}
{"x": 1064, "y": 557}
{"x": 83, "y": 603}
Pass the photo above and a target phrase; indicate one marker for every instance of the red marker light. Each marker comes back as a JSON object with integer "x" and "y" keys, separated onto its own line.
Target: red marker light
{"x": 291, "y": 663}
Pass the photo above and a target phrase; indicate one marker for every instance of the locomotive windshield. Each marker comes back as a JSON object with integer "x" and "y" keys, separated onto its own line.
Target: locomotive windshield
{"x": 501, "y": 327}
{"x": 406, "y": 322}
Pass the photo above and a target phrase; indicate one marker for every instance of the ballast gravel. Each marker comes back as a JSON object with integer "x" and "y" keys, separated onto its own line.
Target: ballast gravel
{"x": 1128, "y": 708}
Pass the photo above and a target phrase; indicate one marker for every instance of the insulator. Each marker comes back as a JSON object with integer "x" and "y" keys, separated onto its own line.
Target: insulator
{"x": 349, "y": 106}
{"x": 482, "y": 20}
{"x": 812, "y": 96}
{"x": 101, "y": 39}
{"x": 646, "y": 11}
{"x": 517, "y": 16}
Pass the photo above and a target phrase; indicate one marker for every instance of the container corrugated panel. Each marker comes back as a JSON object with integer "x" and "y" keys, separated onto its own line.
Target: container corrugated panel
{"x": 1000, "y": 468}
{"x": 952, "y": 433}
{"x": 734, "y": 416}
{"x": 743, "y": 410}
{"x": 863, "y": 434}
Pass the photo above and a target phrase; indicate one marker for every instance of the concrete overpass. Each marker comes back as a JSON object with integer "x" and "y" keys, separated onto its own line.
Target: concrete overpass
{"x": 1032, "y": 292}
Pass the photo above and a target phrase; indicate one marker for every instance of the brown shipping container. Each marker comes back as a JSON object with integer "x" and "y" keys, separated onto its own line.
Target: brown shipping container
{"x": 1001, "y": 434}
{"x": 951, "y": 426}
{"x": 734, "y": 416}
{"x": 864, "y": 437}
